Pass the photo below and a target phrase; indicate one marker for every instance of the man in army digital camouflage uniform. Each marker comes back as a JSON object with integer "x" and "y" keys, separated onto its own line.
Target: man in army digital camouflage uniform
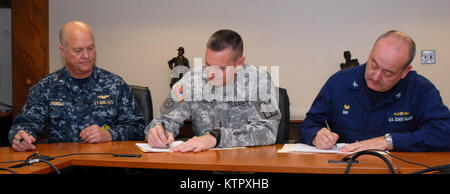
{"x": 80, "y": 102}
{"x": 230, "y": 103}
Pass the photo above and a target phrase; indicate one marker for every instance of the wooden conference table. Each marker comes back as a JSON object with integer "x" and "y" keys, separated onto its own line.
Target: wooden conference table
{"x": 252, "y": 159}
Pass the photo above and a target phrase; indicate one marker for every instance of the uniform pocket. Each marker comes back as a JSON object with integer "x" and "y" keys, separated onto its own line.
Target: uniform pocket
{"x": 59, "y": 110}
{"x": 399, "y": 121}
{"x": 349, "y": 129}
{"x": 345, "y": 123}
{"x": 105, "y": 111}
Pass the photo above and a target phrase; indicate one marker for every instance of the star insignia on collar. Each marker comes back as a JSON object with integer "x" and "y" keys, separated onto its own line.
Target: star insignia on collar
{"x": 355, "y": 84}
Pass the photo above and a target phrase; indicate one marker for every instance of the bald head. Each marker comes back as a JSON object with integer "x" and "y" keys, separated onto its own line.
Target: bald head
{"x": 398, "y": 40}
{"x": 71, "y": 28}
{"x": 78, "y": 48}
{"x": 389, "y": 60}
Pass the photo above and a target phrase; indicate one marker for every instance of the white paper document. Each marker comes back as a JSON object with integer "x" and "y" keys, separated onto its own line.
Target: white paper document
{"x": 147, "y": 148}
{"x": 300, "y": 147}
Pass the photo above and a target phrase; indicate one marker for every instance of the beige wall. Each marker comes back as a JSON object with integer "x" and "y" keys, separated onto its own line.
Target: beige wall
{"x": 136, "y": 38}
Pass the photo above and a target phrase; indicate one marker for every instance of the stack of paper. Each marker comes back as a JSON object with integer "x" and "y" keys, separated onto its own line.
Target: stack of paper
{"x": 288, "y": 148}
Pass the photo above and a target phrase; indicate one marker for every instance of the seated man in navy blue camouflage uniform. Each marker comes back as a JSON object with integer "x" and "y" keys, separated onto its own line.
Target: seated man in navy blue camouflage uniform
{"x": 79, "y": 102}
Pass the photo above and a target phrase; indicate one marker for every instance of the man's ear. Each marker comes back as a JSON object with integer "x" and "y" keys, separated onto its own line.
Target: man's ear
{"x": 61, "y": 49}
{"x": 406, "y": 71}
{"x": 240, "y": 61}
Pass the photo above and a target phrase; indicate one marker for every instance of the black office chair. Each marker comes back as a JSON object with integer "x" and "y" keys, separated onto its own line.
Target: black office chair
{"x": 283, "y": 127}
{"x": 143, "y": 100}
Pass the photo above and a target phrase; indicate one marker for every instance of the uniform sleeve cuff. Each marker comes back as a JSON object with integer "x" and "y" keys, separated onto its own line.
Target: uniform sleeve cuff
{"x": 308, "y": 135}
{"x": 114, "y": 134}
{"x": 398, "y": 141}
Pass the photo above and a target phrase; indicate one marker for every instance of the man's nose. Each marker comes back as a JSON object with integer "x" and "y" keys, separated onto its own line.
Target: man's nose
{"x": 376, "y": 76}
{"x": 84, "y": 54}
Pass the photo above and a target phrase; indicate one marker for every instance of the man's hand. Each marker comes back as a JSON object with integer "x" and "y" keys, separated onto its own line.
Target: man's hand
{"x": 23, "y": 142}
{"x": 159, "y": 138}
{"x": 325, "y": 139}
{"x": 374, "y": 143}
{"x": 197, "y": 144}
{"x": 95, "y": 134}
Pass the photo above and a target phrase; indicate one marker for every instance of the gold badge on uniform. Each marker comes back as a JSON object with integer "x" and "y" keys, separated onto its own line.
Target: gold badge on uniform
{"x": 103, "y": 96}
{"x": 103, "y": 101}
{"x": 56, "y": 103}
{"x": 346, "y": 109}
{"x": 401, "y": 113}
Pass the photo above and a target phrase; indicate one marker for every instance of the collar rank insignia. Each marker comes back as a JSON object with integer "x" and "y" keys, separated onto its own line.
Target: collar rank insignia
{"x": 354, "y": 84}
{"x": 398, "y": 95}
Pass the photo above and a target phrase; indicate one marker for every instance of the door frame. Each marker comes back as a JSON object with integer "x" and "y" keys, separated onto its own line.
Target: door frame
{"x": 30, "y": 47}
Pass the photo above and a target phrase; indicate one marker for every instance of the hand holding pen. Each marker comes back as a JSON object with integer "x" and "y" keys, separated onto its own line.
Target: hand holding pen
{"x": 325, "y": 139}
{"x": 159, "y": 137}
{"x": 23, "y": 141}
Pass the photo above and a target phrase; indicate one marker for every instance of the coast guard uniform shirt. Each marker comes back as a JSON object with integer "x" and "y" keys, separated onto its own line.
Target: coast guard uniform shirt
{"x": 412, "y": 112}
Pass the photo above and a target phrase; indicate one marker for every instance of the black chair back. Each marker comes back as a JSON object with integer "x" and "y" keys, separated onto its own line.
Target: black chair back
{"x": 283, "y": 127}
{"x": 143, "y": 100}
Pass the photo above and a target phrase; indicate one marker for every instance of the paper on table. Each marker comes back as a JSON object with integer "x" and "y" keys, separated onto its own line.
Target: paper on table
{"x": 300, "y": 147}
{"x": 147, "y": 148}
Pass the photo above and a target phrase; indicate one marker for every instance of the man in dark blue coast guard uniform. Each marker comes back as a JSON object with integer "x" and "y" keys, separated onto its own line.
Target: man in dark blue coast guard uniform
{"x": 380, "y": 105}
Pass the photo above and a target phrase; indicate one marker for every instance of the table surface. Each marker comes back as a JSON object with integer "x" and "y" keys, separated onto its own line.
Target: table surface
{"x": 252, "y": 159}
{"x": 5, "y": 114}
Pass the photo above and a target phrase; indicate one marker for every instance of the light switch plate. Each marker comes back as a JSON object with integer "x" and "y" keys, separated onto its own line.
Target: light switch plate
{"x": 428, "y": 56}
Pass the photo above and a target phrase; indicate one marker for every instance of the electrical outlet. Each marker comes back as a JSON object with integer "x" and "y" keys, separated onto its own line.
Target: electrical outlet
{"x": 428, "y": 56}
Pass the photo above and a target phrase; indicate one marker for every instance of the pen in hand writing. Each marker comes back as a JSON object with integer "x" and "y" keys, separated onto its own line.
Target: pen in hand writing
{"x": 21, "y": 139}
{"x": 328, "y": 126}
{"x": 167, "y": 137}
{"x": 165, "y": 133}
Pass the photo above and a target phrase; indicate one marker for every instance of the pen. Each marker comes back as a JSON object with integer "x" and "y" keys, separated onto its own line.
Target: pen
{"x": 328, "y": 126}
{"x": 329, "y": 129}
{"x": 21, "y": 139}
{"x": 165, "y": 133}
{"x": 167, "y": 137}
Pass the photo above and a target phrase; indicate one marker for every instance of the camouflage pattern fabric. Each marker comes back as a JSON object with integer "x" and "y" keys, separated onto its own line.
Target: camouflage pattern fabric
{"x": 244, "y": 116}
{"x": 59, "y": 104}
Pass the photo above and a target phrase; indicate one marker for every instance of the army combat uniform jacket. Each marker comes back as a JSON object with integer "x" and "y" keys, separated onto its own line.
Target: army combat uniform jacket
{"x": 58, "y": 103}
{"x": 243, "y": 118}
